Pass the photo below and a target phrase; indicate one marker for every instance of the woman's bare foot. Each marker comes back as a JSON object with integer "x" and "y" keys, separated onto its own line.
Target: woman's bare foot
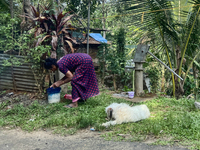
{"x": 72, "y": 105}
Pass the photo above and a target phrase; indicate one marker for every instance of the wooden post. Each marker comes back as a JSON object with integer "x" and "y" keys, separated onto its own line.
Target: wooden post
{"x": 13, "y": 77}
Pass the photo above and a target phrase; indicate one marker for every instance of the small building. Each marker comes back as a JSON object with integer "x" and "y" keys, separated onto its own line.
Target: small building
{"x": 95, "y": 40}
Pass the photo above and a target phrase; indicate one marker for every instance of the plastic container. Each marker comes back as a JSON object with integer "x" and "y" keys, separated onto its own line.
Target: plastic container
{"x": 68, "y": 96}
{"x": 53, "y": 95}
{"x": 130, "y": 94}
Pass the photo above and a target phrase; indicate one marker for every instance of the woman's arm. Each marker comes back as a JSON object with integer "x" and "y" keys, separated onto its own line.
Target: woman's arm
{"x": 67, "y": 78}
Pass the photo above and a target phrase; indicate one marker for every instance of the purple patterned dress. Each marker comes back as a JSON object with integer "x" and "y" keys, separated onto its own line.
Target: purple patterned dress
{"x": 84, "y": 82}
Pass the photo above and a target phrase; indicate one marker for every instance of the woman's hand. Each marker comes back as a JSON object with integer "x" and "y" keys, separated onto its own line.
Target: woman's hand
{"x": 67, "y": 78}
{"x": 57, "y": 84}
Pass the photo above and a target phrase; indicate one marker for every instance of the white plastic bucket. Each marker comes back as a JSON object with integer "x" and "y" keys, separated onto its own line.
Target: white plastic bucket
{"x": 131, "y": 94}
{"x": 53, "y": 95}
{"x": 54, "y": 98}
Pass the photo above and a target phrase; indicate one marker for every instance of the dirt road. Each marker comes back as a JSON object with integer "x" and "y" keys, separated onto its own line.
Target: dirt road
{"x": 45, "y": 140}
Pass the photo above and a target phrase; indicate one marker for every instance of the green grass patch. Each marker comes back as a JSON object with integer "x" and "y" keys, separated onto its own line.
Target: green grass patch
{"x": 178, "y": 121}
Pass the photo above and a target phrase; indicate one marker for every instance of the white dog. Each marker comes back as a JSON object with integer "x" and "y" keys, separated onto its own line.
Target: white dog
{"x": 125, "y": 113}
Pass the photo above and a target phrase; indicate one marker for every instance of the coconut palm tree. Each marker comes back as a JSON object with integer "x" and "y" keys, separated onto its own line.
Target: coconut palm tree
{"x": 177, "y": 38}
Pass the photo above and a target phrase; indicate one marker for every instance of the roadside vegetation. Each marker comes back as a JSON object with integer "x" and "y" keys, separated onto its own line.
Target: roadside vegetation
{"x": 170, "y": 27}
{"x": 172, "y": 122}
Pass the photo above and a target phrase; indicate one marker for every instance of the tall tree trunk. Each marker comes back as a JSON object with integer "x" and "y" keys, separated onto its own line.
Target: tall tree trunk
{"x": 179, "y": 13}
{"x": 114, "y": 82}
{"x": 163, "y": 79}
{"x": 177, "y": 70}
{"x": 12, "y": 15}
{"x": 11, "y": 9}
{"x": 196, "y": 82}
{"x": 104, "y": 36}
{"x": 26, "y": 11}
{"x": 26, "y": 7}
{"x": 178, "y": 85}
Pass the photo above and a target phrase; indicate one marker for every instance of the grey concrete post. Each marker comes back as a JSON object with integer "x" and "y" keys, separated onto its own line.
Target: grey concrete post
{"x": 139, "y": 59}
{"x": 139, "y": 79}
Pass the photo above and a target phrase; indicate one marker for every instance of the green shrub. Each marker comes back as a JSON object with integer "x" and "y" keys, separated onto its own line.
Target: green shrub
{"x": 154, "y": 74}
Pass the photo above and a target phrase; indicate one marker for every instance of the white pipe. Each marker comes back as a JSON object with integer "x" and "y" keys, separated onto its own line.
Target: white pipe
{"x": 165, "y": 65}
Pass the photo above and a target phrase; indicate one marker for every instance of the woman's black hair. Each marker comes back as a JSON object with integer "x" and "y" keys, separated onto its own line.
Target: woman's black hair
{"x": 49, "y": 62}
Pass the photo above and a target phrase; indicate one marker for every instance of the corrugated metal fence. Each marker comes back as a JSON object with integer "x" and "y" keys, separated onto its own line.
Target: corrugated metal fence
{"x": 20, "y": 77}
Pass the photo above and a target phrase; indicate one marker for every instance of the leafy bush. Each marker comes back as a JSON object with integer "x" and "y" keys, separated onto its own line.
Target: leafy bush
{"x": 115, "y": 58}
{"x": 9, "y": 32}
{"x": 189, "y": 85}
{"x": 154, "y": 74}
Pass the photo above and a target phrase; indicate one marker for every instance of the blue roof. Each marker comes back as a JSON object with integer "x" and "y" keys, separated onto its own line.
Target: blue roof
{"x": 98, "y": 37}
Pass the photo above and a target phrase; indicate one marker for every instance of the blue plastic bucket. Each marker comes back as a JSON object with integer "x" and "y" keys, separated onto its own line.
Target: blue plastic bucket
{"x": 53, "y": 95}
